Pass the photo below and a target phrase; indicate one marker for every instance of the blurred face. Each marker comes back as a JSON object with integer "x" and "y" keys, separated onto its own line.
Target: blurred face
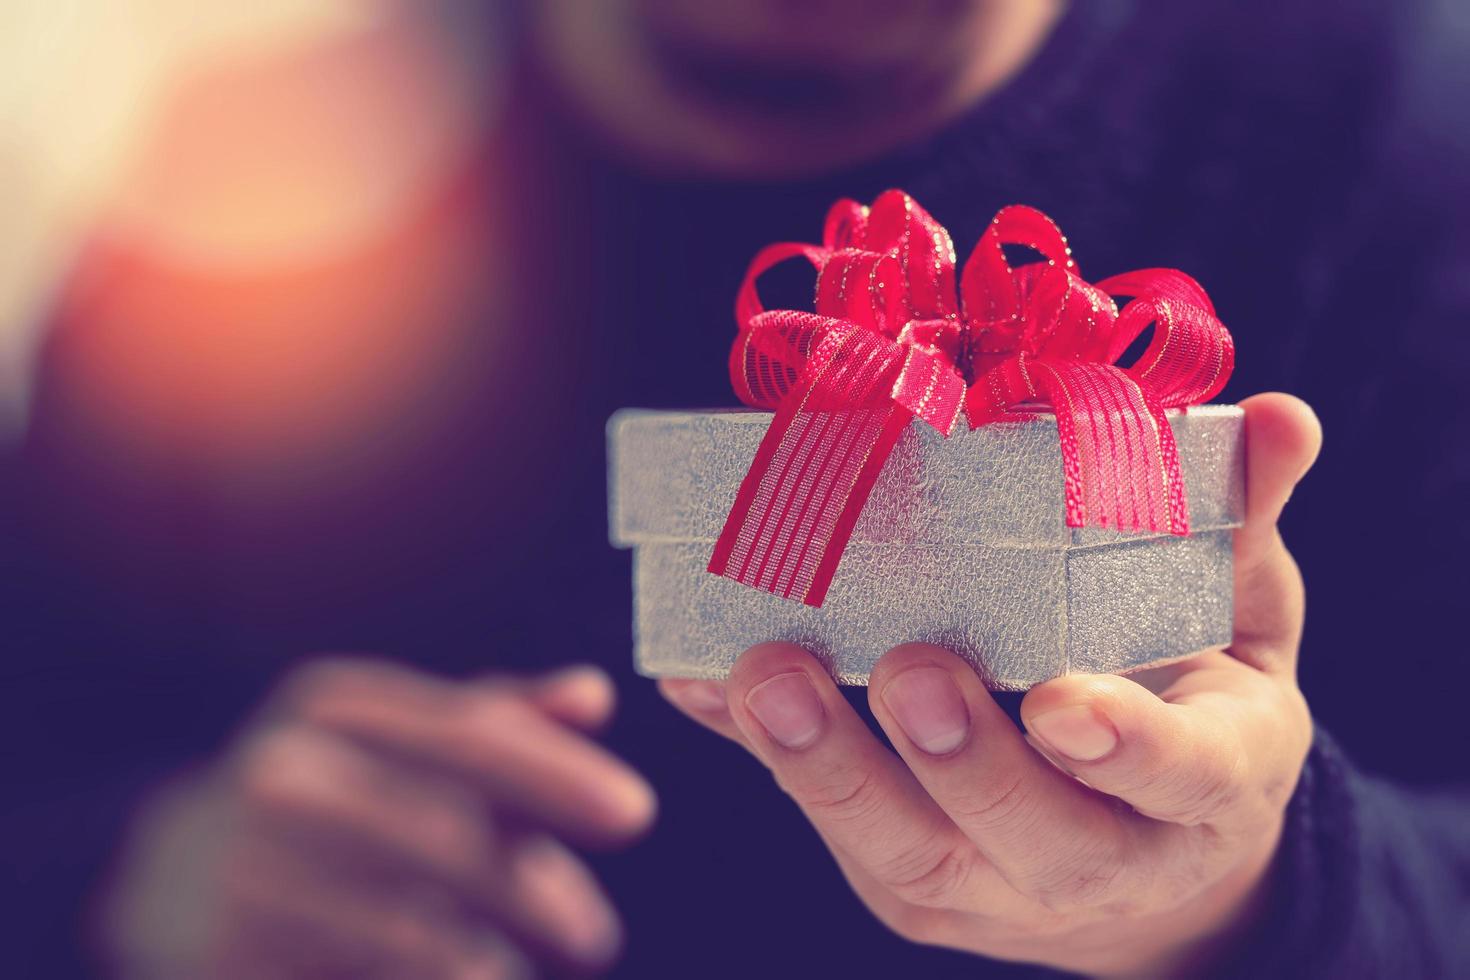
{"x": 796, "y": 57}
{"x": 779, "y": 87}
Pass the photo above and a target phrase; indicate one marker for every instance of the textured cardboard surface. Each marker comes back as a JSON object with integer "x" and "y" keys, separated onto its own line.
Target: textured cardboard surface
{"x": 962, "y": 543}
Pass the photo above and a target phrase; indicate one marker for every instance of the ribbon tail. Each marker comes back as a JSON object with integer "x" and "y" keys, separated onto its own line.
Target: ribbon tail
{"x": 1119, "y": 460}
{"x": 816, "y": 465}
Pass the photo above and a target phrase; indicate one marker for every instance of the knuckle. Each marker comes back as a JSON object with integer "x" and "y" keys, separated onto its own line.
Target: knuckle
{"x": 843, "y": 795}
{"x": 929, "y": 879}
{"x": 1190, "y": 787}
{"x": 269, "y": 770}
{"x": 283, "y": 771}
{"x": 1085, "y": 876}
{"x": 996, "y": 803}
{"x": 1202, "y": 794}
{"x": 454, "y": 840}
{"x": 310, "y": 681}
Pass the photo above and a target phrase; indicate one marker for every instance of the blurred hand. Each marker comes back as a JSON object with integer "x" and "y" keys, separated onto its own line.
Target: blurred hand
{"x": 1141, "y": 847}
{"x": 380, "y": 822}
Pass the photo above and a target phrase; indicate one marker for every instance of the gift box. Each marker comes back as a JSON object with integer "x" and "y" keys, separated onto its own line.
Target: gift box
{"x": 962, "y": 543}
{"x": 1079, "y": 520}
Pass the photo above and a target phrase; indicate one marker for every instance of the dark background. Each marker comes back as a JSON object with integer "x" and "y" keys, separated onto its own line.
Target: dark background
{"x": 174, "y": 539}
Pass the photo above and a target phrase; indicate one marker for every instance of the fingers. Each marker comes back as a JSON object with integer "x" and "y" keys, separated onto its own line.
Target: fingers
{"x": 304, "y": 778}
{"x": 377, "y": 821}
{"x": 1222, "y": 746}
{"x": 288, "y": 917}
{"x": 495, "y": 737}
{"x": 1042, "y": 831}
{"x": 582, "y": 696}
{"x": 1283, "y": 438}
{"x": 553, "y": 898}
{"x": 857, "y": 794}
{"x": 338, "y": 804}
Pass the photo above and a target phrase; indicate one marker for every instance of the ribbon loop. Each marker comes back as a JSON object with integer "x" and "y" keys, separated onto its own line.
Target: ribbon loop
{"x": 865, "y": 287}
{"x": 890, "y": 340}
{"x": 1191, "y": 354}
{"x": 989, "y": 288}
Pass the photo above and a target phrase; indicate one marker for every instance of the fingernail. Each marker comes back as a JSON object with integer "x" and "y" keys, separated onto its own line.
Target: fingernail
{"x": 928, "y": 706}
{"x": 788, "y": 708}
{"x": 1079, "y": 732}
{"x": 1053, "y": 758}
{"x": 702, "y": 695}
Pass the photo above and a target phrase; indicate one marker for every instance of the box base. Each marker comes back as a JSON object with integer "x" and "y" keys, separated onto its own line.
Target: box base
{"x": 1020, "y": 616}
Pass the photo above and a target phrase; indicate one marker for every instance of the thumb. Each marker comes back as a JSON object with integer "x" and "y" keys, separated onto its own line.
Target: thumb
{"x": 1283, "y": 438}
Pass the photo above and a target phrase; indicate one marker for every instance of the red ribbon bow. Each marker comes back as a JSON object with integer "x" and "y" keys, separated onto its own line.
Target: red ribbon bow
{"x": 889, "y": 342}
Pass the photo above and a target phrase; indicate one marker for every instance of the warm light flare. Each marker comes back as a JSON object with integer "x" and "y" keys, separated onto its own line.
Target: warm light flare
{"x": 224, "y": 141}
{"x": 277, "y": 159}
{"x": 277, "y": 377}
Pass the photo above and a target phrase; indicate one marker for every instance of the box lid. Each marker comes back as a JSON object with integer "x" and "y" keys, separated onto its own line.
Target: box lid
{"x": 673, "y": 475}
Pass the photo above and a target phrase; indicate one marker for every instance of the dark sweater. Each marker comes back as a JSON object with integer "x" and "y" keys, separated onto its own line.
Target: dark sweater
{"x": 1304, "y": 161}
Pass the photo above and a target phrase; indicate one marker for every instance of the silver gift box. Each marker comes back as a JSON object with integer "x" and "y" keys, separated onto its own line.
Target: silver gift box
{"x": 962, "y": 543}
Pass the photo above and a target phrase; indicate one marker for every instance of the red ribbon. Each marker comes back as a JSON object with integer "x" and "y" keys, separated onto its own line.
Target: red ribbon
{"x": 890, "y": 342}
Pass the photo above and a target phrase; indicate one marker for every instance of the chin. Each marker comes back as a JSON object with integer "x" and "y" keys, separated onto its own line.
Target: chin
{"x": 844, "y": 36}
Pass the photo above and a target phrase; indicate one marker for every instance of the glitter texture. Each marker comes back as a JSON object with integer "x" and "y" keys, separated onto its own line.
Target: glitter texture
{"x": 962, "y": 543}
